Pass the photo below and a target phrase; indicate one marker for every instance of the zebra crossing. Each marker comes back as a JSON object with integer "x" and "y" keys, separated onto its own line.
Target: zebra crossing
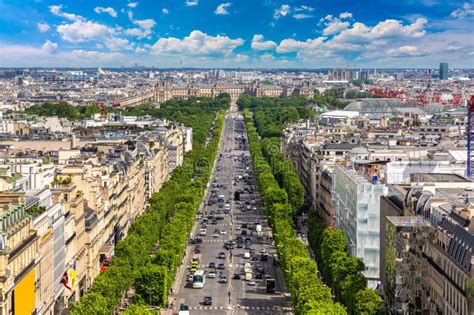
{"x": 214, "y": 240}
{"x": 242, "y": 307}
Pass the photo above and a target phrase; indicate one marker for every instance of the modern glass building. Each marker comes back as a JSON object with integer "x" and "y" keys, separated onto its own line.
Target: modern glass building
{"x": 357, "y": 214}
{"x": 443, "y": 71}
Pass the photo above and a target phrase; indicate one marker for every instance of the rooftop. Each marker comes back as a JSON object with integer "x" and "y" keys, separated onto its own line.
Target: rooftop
{"x": 437, "y": 178}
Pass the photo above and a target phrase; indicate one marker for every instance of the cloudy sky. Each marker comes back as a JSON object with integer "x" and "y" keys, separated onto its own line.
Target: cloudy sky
{"x": 238, "y": 33}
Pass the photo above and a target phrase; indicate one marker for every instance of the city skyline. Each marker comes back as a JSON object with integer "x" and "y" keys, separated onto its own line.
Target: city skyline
{"x": 287, "y": 34}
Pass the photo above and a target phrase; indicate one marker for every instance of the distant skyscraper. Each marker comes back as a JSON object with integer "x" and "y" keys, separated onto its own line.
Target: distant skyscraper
{"x": 443, "y": 71}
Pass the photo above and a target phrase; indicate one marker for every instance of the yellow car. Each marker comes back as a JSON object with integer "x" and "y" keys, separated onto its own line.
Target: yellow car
{"x": 194, "y": 263}
{"x": 193, "y": 269}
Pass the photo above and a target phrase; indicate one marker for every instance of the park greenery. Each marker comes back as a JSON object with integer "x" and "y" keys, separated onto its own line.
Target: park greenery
{"x": 63, "y": 110}
{"x": 283, "y": 196}
{"x": 308, "y": 293}
{"x": 149, "y": 257}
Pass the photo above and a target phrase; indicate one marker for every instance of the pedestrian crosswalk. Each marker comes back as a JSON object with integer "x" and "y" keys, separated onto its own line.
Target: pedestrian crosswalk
{"x": 242, "y": 307}
{"x": 214, "y": 240}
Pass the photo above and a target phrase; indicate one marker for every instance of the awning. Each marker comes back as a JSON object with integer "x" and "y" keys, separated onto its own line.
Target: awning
{"x": 106, "y": 249}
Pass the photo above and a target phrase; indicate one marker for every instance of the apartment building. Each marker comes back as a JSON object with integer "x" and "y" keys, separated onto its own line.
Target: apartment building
{"x": 18, "y": 256}
{"x": 429, "y": 258}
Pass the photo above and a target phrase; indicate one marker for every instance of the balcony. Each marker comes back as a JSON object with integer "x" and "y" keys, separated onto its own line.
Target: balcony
{"x": 24, "y": 245}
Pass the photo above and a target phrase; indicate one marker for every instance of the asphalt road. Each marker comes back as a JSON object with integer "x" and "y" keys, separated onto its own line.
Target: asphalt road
{"x": 232, "y": 160}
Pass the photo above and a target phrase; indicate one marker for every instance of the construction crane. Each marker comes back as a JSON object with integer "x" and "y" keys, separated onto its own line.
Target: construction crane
{"x": 470, "y": 139}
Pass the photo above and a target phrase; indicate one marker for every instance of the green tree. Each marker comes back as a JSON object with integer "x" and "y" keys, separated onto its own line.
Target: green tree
{"x": 289, "y": 115}
{"x": 368, "y": 302}
{"x": 137, "y": 309}
{"x": 91, "y": 303}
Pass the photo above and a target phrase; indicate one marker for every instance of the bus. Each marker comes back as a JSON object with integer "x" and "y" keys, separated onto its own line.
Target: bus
{"x": 199, "y": 279}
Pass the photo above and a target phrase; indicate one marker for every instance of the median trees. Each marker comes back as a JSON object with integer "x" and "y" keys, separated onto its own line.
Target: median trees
{"x": 308, "y": 293}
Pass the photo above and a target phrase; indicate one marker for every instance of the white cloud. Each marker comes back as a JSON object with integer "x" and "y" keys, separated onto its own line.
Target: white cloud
{"x": 132, "y": 4}
{"x": 360, "y": 33}
{"x": 300, "y": 16}
{"x": 292, "y": 45}
{"x": 282, "y": 11}
{"x": 108, "y": 10}
{"x": 463, "y": 12}
{"x": 144, "y": 28}
{"x": 49, "y": 47}
{"x": 116, "y": 44}
{"x": 335, "y": 26}
{"x": 258, "y": 43}
{"x": 222, "y": 8}
{"x": 43, "y": 27}
{"x": 389, "y": 38}
{"x": 140, "y": 50}
{"x": 198, "y": 44}
{"x": 83, "y": 31}
{"x": 405, "y": 51}
{"x": 165, "y": 11}
{"x": 57, "y": 10}
{"x": 345, "y": 15}
{"x": 241, "y": 58}
{"x": 304, "y": 8}
{"x": 191, "y": 3}
{"x": 267, "y": 57}
{"x": 303, "y": 12}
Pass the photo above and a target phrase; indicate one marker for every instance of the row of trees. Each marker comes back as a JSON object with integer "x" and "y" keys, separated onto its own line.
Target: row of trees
{"x": 309, "y": 294}
{"x": 148, "y": 258}
{"x": 342, "y": 271}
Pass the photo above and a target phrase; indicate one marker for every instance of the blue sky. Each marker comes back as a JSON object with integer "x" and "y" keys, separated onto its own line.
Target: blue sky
{"x": 237, "y": 33}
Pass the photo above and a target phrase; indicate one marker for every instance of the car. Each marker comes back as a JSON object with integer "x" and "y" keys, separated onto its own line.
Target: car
{"x": 197, "y": 249}
{"x": 221, "y": 255}
{"x": 207, "y": 300}
{"x": 192, "y": 269}
{"x": 190, "y": 277}
{"x": 263, "y": 251}
{"x": 222, "y": 278}
{"x": 212, "y": 265}
{"x": 244, "y": 232}
{"x": 240, "y": 245}
{"x": 237, "y": 227}
{"x": 236, "y": 276}
{"x": 264, "y": 257}
{"x": 216, "y": 233}
{"x": 258, "y": 276}
{"x": 203, "y": 232}
{"x": 214, "y": 222}
{"x": 183, "y": 309}
{"x": 223, "y": 232}
{"x": 221, "y": 266}
{"x": 247, "y": 255}
{"x": 211, "y": 274}
{"x": 252, "y": 283}
{"x": 195, "y": 262}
